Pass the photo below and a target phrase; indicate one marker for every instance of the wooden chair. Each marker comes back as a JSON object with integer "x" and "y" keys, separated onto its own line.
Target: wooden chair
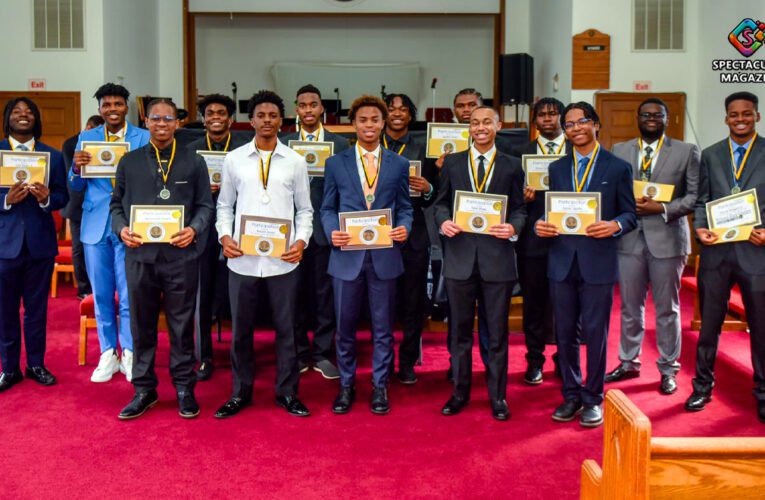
{"x": 637, "y": 466}
{"x": 63, "y": 262}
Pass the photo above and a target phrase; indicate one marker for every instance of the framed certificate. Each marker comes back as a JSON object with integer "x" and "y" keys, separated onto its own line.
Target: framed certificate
{"x": 415, "y": 169}
{"x": 447, "y": 138}
{"x": 214, "y": 161}
{"x": 733, "y": 217}
{"x": 572, "y": 212}
{"x": 369, "y": 229}
{"x": 156, "y": 223}
{"x": 536, "y": 168}
{"x": 264, "y": 236}
{"x": 315, "y": 154}
{"x": 477, "y": 212}
{"x": 105, "y": 158}
{"x": 24, "y": 166}
{"x": 654, "y": 190}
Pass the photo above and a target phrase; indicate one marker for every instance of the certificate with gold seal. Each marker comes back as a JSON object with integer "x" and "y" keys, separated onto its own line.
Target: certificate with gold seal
{"x": 156, "y": 223}
{"x": 415, "y": 170}
{"x": 653, "y": 190}
{"x": 214, "y": 162}
{"x": 105, "y": 156}
{"x": 447, "y": 138}
{"x": 537, "y": 170}
{"x": 315, "y": 154}
{"x": 477, "y": 212}
{"x": 264, "y": 236}
{"x": 369, "y": 229}
{"x": 733, "y": 217}
{"x": 572, "y": 212}
{"x": 24, "y": 166}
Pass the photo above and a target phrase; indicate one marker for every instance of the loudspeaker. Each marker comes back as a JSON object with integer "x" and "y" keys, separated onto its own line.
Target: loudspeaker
{"x": 516, "y": 79}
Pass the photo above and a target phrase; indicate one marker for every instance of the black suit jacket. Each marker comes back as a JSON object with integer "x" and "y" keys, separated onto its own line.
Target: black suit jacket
{"x": 529, "y": 244}
{"x": 138, "y": 182}
{"x": 496, "y": 258}
{"x": 73, "y": 209}
{"x": 317, "y": 184}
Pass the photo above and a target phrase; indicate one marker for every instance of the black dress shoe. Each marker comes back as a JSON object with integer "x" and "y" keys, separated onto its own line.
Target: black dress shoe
{"x": 406, "y": 375}
{"x": 41, "y": 375}
{"x": 9, "y": 379}
{"x": 293, "y": 405}
{"x": 344, "y": 400}
{"x": 232, "y": 407}
{"x": 697, "y": 400}
{"x": 761, "y": 411}
{"x": 592, "y": 416}
{"x": 141, "y": 402}
{"x": 668, "y": 384}
{"x": 454, "y": 406}
{"x": 187, "y": 404}
{"x": 499, "y": 409}
{"x": 379, "y": 403}
{"x": 621, "y": 373}
{"x": 567, "y": 411}
{"x": 533, "y": 375}
{"x": 205, "y": 370}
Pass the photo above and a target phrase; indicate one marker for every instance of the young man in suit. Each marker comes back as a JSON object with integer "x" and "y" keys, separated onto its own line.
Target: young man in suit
{"x": 104, "y": 252}
{"x": 162, "y": 273}
{"x": 365, "y": 178}
{"x": 412, "y": 286}
{"x": 28, "y": 248}
{"x": 583, "y": 269}
{"x": 316, "y": 308}
{"x": 735, "y": 164}
{"x": 532, "y": 250}
{"x": 480, "y": 267}
{"x": 264, "y": 178}
{"x": 657, "y": 251}
{"x": 218, "y": 112}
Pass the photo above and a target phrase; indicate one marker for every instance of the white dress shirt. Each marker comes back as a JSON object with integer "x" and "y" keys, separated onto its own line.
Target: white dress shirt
{"x": 242, "y": 188}
{"x": 488, "y": 156}
{"x": 541, "y": 141}
{"x": 654, "y": 155}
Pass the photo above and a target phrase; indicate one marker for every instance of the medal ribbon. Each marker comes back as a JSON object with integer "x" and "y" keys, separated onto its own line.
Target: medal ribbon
{"x": 115, "y": 137}
{"x": 646, "y": 164}
{"x": 316, "y": 134}
{"x": 209, "y": 144}
{"x": 737, "y": 173}
{"x": 385, "y": 143}
{"x": 544, "y": 151}
{"x": 371, "y": 183}
{"x": 479, "y": 189}
{"x": 265, "y": 168}
{"x": 579, "y": 185}
{"x": 165, "y": 175}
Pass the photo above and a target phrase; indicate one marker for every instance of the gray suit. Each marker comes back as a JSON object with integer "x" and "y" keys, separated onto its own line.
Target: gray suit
{"x": 656, "y": 253}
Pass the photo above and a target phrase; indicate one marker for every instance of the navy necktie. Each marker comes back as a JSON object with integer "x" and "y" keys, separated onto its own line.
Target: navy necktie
{"x": 740, "y": 152}
{"x": 582, "y": 168}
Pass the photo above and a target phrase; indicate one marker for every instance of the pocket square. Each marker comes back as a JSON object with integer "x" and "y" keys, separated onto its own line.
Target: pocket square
{"x": 181, "y": 182}
{"x": 604, "y": 182}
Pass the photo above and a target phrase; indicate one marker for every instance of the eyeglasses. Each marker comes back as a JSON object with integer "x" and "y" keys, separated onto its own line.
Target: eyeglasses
{"x": 581, "y": 122}
{"x": 655, "y": 116}
{"x": 157, "y": 118}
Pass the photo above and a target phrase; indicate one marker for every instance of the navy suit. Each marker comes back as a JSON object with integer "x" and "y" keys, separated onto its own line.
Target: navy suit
{"x": 372, "y": 270}
{"x": 28, "y": 247}
{"x": 582, "y": 272}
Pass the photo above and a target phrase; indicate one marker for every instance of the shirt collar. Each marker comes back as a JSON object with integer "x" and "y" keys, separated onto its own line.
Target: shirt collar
{"x": 30, "y": 144}
{"x": 578, "y": 157}
{"x": 488, "y": 155}
{"x": 404, "y": 139}
{"x": 558, "y": 140}
{"x": 318, "y": 134}
{"x": 360, "y": 149}
{"x": 653, "y": 145}
{"x": 735, "y": 145}
{"x": 278, "y": 150}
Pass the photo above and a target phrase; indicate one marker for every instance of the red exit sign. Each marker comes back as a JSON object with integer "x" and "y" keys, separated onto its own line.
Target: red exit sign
{"x": 37, "y": 84}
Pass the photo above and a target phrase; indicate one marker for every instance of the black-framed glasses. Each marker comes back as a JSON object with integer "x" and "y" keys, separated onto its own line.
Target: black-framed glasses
{"x": 655, "y": 116}
{"x": 158, "y": 118}
{"x": 581, "y": 122}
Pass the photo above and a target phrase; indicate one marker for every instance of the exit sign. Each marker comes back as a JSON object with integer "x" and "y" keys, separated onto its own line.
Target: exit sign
{"x": 37, "y": 84}
{"x": 642, "y": 86}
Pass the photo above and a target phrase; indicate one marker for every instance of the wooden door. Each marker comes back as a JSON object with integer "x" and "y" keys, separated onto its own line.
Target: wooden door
{"x": 60, "y": 113}
{"x": 618, "y": 115}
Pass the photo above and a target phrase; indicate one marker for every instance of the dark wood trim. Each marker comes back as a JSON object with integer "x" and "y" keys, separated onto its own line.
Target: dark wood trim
{"x": 189, "y": 61}
{"x": 499, "y": 48}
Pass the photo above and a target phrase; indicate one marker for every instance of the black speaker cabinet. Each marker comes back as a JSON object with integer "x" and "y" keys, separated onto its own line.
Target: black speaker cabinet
{"x": 516, "y": 78}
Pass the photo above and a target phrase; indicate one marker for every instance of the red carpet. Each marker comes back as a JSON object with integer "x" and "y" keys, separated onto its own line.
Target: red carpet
{"x": 65, "y": 441}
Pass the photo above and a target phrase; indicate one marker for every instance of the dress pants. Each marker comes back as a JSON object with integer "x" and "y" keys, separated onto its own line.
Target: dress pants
{"x": 315, "y": 305}
{"x": 412, "y": 293}
{"x": 23, "y": 279}
{"x": 78, "y": 259}
{"x": 463, "y": 295}
{"x": 537, "y": 309}
{"x": 483, "y": 335}
{"x": 348, "y": 301}
{"x": 282, "y": 293}
{"x": 636, "y": 271}
{"x": 714, "y": 293}
{"x": 571, "y": 298}
{"x": 150, "y": 285}
{"x": 212, "y": 270}
{"x": 105, "y": 262}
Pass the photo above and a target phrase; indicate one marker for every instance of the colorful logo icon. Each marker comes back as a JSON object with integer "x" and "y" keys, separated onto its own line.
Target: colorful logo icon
{"x": 748, "y": 36}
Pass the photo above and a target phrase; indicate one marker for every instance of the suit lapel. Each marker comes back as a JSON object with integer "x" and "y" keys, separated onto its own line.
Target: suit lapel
{"x": 664, "y": 153}
{"x": 353, "y": 174}
{"x": 634, "y": 156}
{"x": 385, "y": 171}
{"x": 600, "y": 166}
{"x": 723, "y": 159}
{"x": 755, "y": 158}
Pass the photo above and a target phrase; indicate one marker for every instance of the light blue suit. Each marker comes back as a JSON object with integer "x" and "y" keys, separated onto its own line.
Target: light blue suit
{"x": 104, "y": 252}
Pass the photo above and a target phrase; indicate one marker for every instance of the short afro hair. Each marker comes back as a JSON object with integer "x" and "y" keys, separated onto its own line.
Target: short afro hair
{"x": 262, "y": 97}
{"x": 111, "y": 89}
{"x": 217, "y": 99}
{"x": 739, "y": 96}
{"x": 405, "y": 100}
{"x": 308, "y": 89}
{"x": 367, "y": 100}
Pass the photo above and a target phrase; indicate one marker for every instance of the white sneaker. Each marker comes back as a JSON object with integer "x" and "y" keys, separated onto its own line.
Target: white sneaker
{"x": 108, "y": 365}
{"x": 126, "y": 364}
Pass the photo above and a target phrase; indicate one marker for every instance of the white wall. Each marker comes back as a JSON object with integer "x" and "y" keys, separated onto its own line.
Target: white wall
{"x": 367, "y": 6}
{"x": 550, "y": 45}
{"x": 457, "y": 51}
{"x": 170, "y": 39}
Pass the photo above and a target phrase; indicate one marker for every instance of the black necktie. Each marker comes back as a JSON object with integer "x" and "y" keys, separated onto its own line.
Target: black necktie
{"x": 550, "y": 148}
{"x": 648, "y": 161}
{"x": 481, "y": 171}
